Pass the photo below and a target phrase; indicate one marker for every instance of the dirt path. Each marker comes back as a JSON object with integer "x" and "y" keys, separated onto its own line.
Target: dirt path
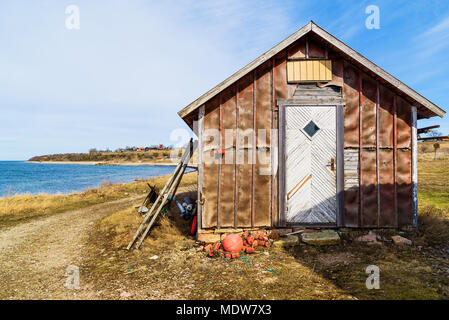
{"x": 34, "y": 256}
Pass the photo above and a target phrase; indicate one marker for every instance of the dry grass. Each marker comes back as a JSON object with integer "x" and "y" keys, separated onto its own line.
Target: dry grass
{"x": 22, "y": 207}
{"x": 182, "y": 271}
{"x": 433, "y": 183}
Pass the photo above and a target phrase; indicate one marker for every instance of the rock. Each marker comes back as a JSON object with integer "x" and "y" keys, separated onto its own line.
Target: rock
{"x": 125, "y": 294}
{"x": 368, "y": 238}
{"x": 401, "y": 240}
{"x": 325, "y": 237}
{"x": 307, "y": 230}
{"x": 288, "y": 241}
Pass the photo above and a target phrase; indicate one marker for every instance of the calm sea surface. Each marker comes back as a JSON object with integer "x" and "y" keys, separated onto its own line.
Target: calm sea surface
{"x": 18, "y": 177}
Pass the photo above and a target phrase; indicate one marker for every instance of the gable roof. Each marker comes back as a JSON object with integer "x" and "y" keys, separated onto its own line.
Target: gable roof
{"x": 311, "y": 27}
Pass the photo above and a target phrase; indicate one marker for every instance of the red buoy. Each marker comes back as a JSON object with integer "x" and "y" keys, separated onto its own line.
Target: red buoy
{"x": 233, "y": 243}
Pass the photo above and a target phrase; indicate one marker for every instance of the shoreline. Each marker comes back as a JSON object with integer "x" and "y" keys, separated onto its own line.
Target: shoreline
{"x": 103, "y": 163}
{"x": 93, "y": 187}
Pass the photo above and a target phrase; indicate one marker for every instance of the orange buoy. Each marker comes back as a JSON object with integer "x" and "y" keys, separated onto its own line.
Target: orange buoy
{"x": 233, "y": 243}
{"x": 249, "y": 250}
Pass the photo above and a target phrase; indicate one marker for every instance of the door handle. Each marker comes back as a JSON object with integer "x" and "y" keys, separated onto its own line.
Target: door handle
{"x": 332, "y": 164}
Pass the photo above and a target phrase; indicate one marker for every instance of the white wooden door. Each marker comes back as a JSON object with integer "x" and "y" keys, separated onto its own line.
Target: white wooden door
{"x": 310, "y": 168}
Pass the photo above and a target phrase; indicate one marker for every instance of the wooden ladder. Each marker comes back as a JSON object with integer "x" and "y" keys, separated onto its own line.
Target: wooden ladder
{"x": 165, "y": 196}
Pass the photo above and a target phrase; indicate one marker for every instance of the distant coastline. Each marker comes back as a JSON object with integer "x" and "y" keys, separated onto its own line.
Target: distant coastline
{"x": 158, "y": 157}
{"x": 105, "y": 163}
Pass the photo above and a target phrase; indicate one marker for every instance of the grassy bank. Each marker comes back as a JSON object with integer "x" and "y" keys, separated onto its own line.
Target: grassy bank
{"x": 97, "y": 156}
{"x": 18, "y": 208}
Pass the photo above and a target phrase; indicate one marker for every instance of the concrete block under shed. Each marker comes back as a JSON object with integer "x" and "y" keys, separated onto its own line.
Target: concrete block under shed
{"x": 288, "y": 241}
{"x": 325, "y": 237}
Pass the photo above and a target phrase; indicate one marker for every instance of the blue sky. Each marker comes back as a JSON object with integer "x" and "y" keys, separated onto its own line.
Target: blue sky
{"x": 120, "y": 79}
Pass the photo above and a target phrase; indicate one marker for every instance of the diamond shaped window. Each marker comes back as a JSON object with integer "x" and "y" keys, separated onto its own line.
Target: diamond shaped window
{"x": 311, "y": 128}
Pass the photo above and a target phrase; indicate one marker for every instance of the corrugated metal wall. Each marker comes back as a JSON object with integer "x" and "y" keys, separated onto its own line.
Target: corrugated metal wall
{"x": 377, "y": 147}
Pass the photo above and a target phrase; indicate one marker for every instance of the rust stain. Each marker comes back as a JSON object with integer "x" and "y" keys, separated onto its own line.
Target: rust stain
{"x": 227, "y": 171}
{"x": 386, "y": 186}
{"x": 404, "y": 124}
{"x": 404, "y": 187}
{"x": 369, "y": 91}
{"x": 316, "y": 50}
{"x": 351, "y": 112}
{"x": 262, "y": 193}
{"x": 210, "y": 175}
{"x": 368, "y": 175}
{"x": 244, "y": 148}
{"x": 385, "y": 129}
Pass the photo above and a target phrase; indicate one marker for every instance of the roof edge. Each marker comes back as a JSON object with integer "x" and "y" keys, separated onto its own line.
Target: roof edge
{"x": 313, "y": 27}
{"x": 249, "y": 67}
{"x": 377, "y": 70}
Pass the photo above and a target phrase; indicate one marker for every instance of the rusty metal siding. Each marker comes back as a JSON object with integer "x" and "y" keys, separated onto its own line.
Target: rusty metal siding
{"x": 404, "y": 188}
{"x": 351, "y": 94}
{"x": 262, "y": 178}
{"x": 386, "y": 186}
{"x": 227, "y": 170}
{"x": 315, "y": 50}
{"x": 368, "y": 155}
{"x": 297, "y": 50}
{"x": 351, "y": 144}
{"x": 385, "y": 193}
{"x": 385, "y": 131}
{"x": 368, "y": 113}
{"x": 210, "y": 170}
{"x": 280, "y": 90}
{"x": 404, "y": 124}
{"x": 245, "y": 94}
{"x": 368, "y": 178}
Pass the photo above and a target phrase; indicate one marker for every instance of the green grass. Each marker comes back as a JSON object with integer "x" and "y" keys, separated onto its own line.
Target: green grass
{"x": 433, "y": 183}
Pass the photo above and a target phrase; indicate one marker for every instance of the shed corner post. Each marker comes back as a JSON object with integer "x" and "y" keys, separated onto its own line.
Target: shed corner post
{"x": 340, "y": 165}
{"x": 201, "y": 113}
{"x": 414, "y": 167}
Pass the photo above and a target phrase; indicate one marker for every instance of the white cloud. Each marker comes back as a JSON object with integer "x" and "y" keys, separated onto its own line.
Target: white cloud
{"x": 434, "y": 39}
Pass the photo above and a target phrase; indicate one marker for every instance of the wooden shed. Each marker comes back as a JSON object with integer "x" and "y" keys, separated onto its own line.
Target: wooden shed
{"x": 309, "y": 134}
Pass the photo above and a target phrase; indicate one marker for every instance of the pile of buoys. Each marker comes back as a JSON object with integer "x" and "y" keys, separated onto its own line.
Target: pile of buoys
{"x": 234, "y": 245}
